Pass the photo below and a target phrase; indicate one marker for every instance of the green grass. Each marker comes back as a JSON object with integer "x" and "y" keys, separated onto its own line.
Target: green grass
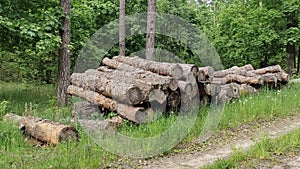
{"x": 27, "y": 99}
{"x": 267, "y": 152}
{"x": 17, "y": 152}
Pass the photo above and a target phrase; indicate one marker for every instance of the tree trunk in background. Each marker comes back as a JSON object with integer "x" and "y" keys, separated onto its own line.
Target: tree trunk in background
{"x": 122, "y": 27}
{"x": 291, "y": 48}
{"x": 298, "y": 66}
{"x": 150, "y": 29}
{"x": 64, "y": 56}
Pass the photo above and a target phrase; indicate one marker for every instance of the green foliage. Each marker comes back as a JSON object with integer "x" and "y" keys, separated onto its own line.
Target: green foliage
{"x": 242, "y": 32}
{"x": 247, "y": 33}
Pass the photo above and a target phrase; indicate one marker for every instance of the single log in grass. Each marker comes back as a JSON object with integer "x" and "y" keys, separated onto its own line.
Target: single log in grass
{"x": 43, "y": 130}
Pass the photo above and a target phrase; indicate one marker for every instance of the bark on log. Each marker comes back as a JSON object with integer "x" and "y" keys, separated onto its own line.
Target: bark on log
{"x": 148, "y": 77}
{"x": 135, "y": 114}
{"x": 162, "y": 68}
{"x": 108, "y": 124}
{"x": 238, "y": 79}
{"x": 270, "y": 69}
{"x": 234, "y": 70}
{"x": 114, "y": 85}
{"x": 43, "y": 130}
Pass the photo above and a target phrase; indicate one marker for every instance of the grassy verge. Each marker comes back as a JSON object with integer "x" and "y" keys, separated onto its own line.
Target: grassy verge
{"x": 25, "y": 99}
{"x": 266, "y": 153}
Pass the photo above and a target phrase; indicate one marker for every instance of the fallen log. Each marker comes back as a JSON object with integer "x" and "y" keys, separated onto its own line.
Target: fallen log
{"x": 162, "y": 68}
{"x": 135, "y": 114}
{"x": 43, "y": 130}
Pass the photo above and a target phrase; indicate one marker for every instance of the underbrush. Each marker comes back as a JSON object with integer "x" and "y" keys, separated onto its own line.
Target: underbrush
{"x": 26, "y": 99}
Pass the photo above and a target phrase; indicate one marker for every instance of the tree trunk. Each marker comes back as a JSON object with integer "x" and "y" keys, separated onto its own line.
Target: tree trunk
{"x": 298, "y": 65}
{"x": 150, "y": 50}
{"x": 43, "y": 130}
{"x": 290, "y": 47}
{"x": 64, "y": 56}
{"x": 122, "y": 29}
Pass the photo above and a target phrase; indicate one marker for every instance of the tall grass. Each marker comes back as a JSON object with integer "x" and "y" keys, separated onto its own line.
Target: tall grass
{"x": 39, "y": 101}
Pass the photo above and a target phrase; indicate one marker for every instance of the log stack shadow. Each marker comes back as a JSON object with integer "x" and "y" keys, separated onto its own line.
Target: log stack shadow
{"x": 141, "y": 90}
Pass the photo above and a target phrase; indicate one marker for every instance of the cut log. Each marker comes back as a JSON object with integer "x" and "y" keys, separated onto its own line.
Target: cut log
{"x": 185, "y": 87}
{"x": 270, "y": 69}
{"x": 85, "y": 110}
{"x": 158, "y": 101}
{"x": 238, "y": 79}
{"x": 135, "y": 114}
{"x": 107, "y": 124}
{"x": 44, "y": 130}
{"x": 173, "y": 103}
{"x": 234, "y": 70}
{"x": 228, "y": 92}
{"x": 148, "y": 77}
{"x": 205, "y": 74}
{"x": 209, "y": 89}
{"x": 190, "y": 68}
{"x": 162, "y": 68}
{"x": 247, "y": 89}
{"x": 124, "y": 92}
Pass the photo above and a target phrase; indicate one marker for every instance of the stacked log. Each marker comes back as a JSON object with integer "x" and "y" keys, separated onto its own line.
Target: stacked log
{"x": 235, "y": 81}
{"x": 134, "y": 93}
{"x": 139, "y": 89}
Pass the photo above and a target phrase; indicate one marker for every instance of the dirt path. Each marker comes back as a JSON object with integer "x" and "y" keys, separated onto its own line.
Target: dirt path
{"x": 289, "y": 164}
{"x": 243, "y": 138}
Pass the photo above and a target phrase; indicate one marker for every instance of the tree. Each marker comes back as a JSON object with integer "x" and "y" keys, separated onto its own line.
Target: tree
{"x": 64, "y": 56}
{"x": 151, "y": 15}
{"x": 291, "y": 10}
{"x": 122, "y": 29}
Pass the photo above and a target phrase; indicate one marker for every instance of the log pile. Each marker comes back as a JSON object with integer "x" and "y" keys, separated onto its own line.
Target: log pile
{"x": 139, "y": 89}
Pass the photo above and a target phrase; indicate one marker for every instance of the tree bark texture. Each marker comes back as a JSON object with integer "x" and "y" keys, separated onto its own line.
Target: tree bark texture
{"x": 135, "y": 88}
{"x": 135, "y": 114}
{"x": 42, "y": 129}
{"x": 150, "y": 39}
{"x": 162, "y": 68}
{"x": 64, "y": 56}
{"x": 122, "y": 29}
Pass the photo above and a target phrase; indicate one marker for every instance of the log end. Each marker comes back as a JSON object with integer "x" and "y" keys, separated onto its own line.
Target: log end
{"x": 68, "y": 133}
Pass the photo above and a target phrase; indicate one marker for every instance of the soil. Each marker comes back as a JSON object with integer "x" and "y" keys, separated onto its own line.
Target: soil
{"x": 219, "y": 145}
